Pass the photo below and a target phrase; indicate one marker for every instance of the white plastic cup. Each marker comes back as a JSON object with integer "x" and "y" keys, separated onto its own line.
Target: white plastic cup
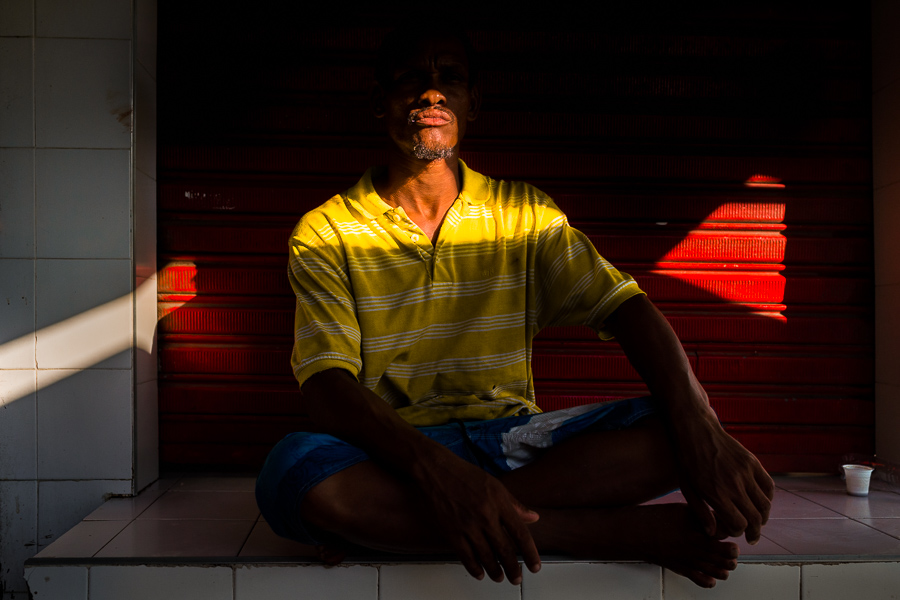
{"x": 858, "y": 477}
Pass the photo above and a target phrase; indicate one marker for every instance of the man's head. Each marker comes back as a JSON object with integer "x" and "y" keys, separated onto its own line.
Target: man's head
{"x": 425, "y": 90}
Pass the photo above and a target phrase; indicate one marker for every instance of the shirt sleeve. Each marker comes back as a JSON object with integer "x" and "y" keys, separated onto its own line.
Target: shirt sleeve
{"x": 326, "y": 330}
{"x": 576, "y": 286}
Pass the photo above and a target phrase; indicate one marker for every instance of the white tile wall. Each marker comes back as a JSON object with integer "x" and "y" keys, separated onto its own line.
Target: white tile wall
{"x": 146, "y": 435}
{"x": 18, "y": 519}
{"x": 315, "y": 582}
{"x": 84, "y": 426}
{"x": 16, "y": 201}
{"x": 887, "y": 334}
{"x": 83, "y": 93}
{"x": 16, "y": 17}
{"x": 63, "y": 504}
{"x": 885, "y": 49}
{"x": 98, "y": 337}
{"x": 887, "y": 415}
{"x": 589, "y": 581}
{"x": 83, "y": 206}
{"x": 145, "y": 121}
{"x": 17, "y": 313}
{"x": 145, "y": 329}
{"x": 872, "y": 581}
{"x": 145, "y": 225}
{"x": 887, "y": 242}
{"x": 58, "y": 583}
{"x": 72, "y": 98}
{"x": 16, "y": 91}
{"x": 153, "y": 583}
{"x": 747, "y": 582}
{"x": 84, "y": 19}
{"x": 145, "y": 43}
{"x": 440, "y": 582}
{"x": 18, "y": 441}
{"x": 885, "y": 135}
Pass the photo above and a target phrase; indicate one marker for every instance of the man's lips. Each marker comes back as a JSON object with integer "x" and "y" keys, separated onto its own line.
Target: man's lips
{"x": 431, "y": 116}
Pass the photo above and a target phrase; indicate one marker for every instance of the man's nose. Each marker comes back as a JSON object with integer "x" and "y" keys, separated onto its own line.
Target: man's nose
{"x": 432, "y": 95}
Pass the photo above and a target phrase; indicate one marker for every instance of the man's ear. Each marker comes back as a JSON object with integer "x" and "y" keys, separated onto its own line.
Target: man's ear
{"x": 474, "y": 103}
{"x": 377, "y": 101}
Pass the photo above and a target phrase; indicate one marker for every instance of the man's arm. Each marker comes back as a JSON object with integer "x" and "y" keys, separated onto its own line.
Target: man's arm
{"x": 480, "y": 518}
{"x": 714, "y": 465}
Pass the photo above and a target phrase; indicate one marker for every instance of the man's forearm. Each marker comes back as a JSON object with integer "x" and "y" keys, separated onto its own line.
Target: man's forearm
{"x": 656, "y": 353}
{"x": 346, "y": 409}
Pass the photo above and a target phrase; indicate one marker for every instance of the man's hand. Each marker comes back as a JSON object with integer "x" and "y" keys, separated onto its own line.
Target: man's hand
{"x": 719, "y": 472}
{"x": 481, "y": 520}
{"x": 715, "y": 468}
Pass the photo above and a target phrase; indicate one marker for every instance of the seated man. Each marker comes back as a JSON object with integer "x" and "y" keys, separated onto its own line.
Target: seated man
{"x": 419, "y": 291}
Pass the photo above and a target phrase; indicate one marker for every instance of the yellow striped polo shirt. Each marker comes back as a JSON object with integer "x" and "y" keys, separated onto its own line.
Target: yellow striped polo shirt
{"x": 444, "y": 332}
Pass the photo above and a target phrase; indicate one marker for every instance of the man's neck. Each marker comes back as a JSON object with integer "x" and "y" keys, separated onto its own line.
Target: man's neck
{"x": 425, "y": 190}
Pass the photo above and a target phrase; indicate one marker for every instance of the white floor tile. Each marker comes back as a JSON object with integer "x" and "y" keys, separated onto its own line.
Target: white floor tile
{"x": 216, "y": 483}
{"x": 16, "y": 202}
{"x": 178, "y": 539}
{"x": 16, "y": 18}
{"x": 589, "y": 581}
{"x": 317, "y": 582}
{"x": 63, "y": 504}
{"x": 84, "y": 312}
{"x": 83, "y": 93}
{"x": 84, "y": 426}
{"x": 876, "y": 505}
{"x": 153, "y": 583}
{"x": 18, "y": 538}
{"x": 16, "y": 113}
{"x": 84, "y": 540}
{"x": 83, "y": 203}
{"x": 58, "y": 583}
{"x": 208, "y": 505}
{"x": 789, "y": 505}
{"x": 440, "y": 582}
{"x": 747, "y": 582}
{"x": 872, "y": 581}
{"x": 830, "y": 537}
{"x": 18, "y": 433}
{"x": 17, "y": 345}
{"x": 84, "y": 19}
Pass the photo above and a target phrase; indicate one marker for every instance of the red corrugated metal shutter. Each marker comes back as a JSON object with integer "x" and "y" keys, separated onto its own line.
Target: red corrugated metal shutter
{"x": 720, "y": 157}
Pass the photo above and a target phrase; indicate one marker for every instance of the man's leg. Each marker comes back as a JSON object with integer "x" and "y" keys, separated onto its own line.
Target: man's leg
{"x": 585, "y": 491}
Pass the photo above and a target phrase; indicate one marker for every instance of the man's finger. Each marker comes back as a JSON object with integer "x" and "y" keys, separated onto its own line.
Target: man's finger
{"x": 506, "y": 554}
{"x": 524, "y": 542}
{"x": 484, "y": 554}
{"x": 700, "y": 509}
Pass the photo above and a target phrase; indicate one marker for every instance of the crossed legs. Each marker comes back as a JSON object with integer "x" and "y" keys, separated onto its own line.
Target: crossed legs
{"x": 586, "y": 491}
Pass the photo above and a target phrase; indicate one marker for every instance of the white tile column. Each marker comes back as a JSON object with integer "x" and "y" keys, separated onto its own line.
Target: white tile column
{"x": 77, "y": 265}
{"x": 886, "y": 177}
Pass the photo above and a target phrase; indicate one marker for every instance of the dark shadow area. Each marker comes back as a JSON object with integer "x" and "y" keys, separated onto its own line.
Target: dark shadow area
{"x": 645, "y": 125}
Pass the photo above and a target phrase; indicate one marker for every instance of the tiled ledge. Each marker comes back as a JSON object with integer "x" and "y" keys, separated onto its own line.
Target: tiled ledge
{"x": 202, "y": 537}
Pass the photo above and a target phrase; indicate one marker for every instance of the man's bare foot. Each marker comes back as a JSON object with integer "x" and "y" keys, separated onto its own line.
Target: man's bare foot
{"x": 668, "y": 535}
{"x": 331, "y": 555}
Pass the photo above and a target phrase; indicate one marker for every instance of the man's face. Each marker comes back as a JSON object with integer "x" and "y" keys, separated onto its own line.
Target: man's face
{"x": 429, "y": 99}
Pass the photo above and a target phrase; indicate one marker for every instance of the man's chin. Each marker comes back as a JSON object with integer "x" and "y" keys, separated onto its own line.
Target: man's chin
{"x": 432, "y": 153}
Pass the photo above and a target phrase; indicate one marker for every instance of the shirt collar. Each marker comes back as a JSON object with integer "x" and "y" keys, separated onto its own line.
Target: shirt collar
{"x": 476, "y": 190}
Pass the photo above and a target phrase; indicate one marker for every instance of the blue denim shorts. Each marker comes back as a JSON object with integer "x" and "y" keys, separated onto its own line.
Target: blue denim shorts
{"x": 302, "y": 460}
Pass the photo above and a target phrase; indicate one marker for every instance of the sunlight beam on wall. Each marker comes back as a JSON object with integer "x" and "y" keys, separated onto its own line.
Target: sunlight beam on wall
{"x": 91, "y": 336}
